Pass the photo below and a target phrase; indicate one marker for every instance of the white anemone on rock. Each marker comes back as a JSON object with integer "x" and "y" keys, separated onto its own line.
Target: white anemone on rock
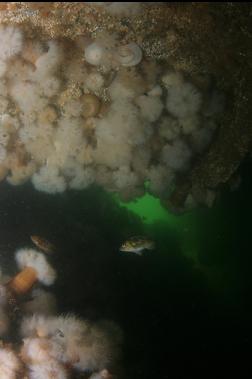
{"x": 94, "y": 54}
{"x": 129, "y": 55}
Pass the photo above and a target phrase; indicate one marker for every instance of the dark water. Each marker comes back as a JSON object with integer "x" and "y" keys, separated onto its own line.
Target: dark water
{"x": 164, "y": 305}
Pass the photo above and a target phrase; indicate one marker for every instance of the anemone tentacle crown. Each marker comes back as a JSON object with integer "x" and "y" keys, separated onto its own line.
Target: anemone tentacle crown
{"x": 129, "y": 55}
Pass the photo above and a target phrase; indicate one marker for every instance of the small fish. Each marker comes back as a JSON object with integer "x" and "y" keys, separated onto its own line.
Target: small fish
{"x": 137, "y": 245}
{"x": 43, "y": 244}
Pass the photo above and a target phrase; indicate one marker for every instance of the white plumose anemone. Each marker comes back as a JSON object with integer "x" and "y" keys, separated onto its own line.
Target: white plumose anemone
{"x": 36, "y": 325}
{"x": 9, "y": 364}
{"x": 32, "y": 258}
{"x": 177, "y": 155}
{"x": 129, "y": 55}
{"x": 172, "y": 80}
{"x": 48, "y": 179}
{"x": 94, "y": 54}
{"x": 156, "y": 91}
{"x": 183, "y": 100}
{"x": 11, "y": 42}
{"x": 84, "y": 345}
{"x": 169, "y": 128}
{"x": 151, "y": 107}
{"x": 48, "y": 370}
{"x": 94, "y": 82}
{"x": 36, "y": 350}
{"x": 48, "y": 62}
{"x": 160, "y": 179}
{"x": 95, "y": 103}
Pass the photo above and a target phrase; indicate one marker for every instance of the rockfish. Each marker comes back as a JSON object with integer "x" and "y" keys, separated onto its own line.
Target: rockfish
{"x": 43, "y": 244}
{"x": 137, "y": 245}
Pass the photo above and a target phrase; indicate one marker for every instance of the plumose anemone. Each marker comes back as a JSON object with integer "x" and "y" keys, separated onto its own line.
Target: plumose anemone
{"x": 67, "y": 123}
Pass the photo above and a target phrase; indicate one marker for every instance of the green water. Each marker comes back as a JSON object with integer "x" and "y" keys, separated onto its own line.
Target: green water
{"x": 214, "y": 240}
{"x": 150, "y": 210}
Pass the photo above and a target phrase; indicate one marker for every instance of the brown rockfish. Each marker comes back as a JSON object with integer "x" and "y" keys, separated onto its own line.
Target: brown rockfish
{"x": 43, "y": 244}
{"x": 137, "y": 245}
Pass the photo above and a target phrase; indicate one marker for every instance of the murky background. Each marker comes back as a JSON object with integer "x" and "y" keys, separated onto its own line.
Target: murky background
{"x": 169, "y": 300}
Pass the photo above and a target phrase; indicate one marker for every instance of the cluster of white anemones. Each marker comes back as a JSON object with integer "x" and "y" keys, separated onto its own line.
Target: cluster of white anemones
{"x": 49, "y": 346}
{"x": 97, "y": 111}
